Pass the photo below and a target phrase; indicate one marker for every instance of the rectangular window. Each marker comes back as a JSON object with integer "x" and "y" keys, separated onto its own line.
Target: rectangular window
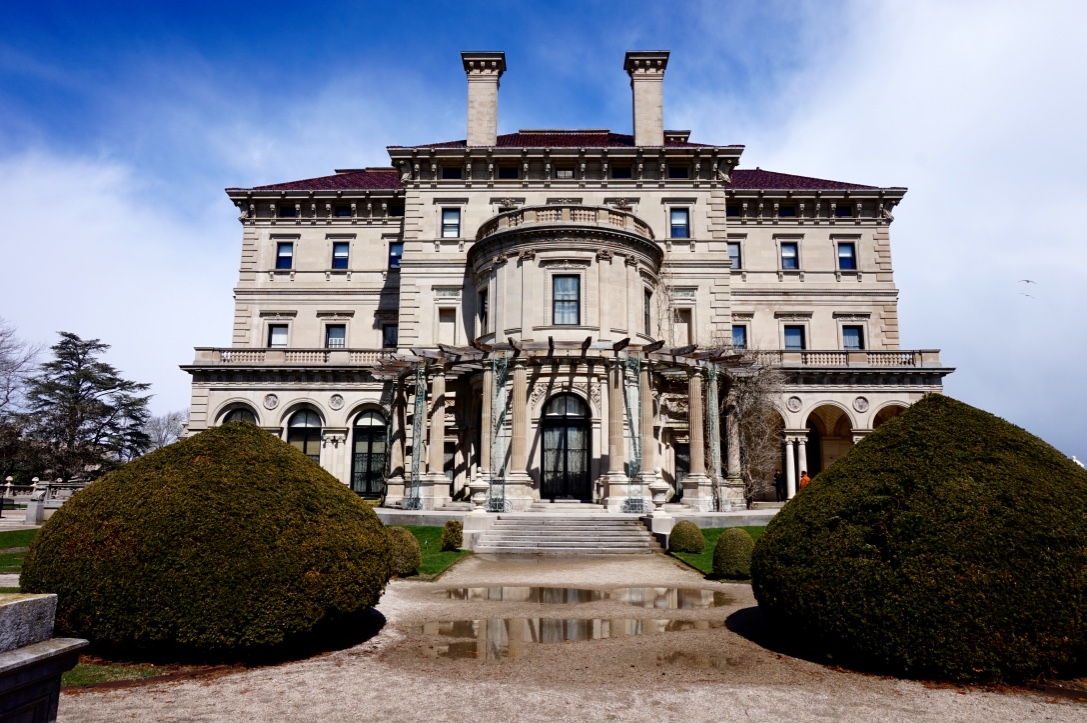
{"x": 622, "y": 172}
{"x": 843, "y": 210}
{"x": 794, "y": 338}
{"x": 340, "y": 252}
{"x": 566, "y": 301}
{"x": 739, "y": 336}
{"x": 396, "y": 250}
{"x": 647, "y": 312}
{"x": 450, "y": 223}
{"x": 284, "y": 254}
{"x": 853, "y": 338}
{"x": 507, "y": 172}
{"x": 335, "y": 336}
{"x": 847, "y": 256}
{"x": 287, "y": 211}
{"x": 277, "y": 336}
{"x": 566, "y": 172}
{"x": 732, "y": 210}
{"x": 451, "y": 173}
{"x": 789, "y": 256}
{"x": 734, "y": 254}
{"x": 786, "y": 211}
{"x": 396, "y": 210}
{"x": 679, "y": 172}
{"x": 682, "y": 327}
{"x": 483, "y": 313}
{"x": 447, "y": 326}
{"x": 390, "y": 335}
{"x": 343, "y": 211}
{"x": 680, "y": 222}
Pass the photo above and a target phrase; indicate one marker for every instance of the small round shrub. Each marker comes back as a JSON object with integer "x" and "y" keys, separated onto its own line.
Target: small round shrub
{"x": 732, "y": 554}
{"x": 452, "y": 536}
{"x": 404, "y": 551}
{"x": 222, "y": 545}
{"x": 947, "y": 544}
{"x": 686, "y": 537}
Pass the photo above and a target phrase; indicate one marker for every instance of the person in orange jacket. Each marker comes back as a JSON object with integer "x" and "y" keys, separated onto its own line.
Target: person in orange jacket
{"x": 804, "y": 479}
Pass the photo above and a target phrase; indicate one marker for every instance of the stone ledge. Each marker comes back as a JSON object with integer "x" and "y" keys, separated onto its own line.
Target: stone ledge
{"x": 25, "y": 619}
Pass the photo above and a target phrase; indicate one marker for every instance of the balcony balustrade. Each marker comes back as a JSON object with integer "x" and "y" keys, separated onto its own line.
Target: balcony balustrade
{"x": 559, "y": 214}
{"x": 216, "y": 356}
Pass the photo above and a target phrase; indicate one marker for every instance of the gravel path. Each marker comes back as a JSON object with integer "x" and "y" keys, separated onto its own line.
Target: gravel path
{"x": 696, "y": 673}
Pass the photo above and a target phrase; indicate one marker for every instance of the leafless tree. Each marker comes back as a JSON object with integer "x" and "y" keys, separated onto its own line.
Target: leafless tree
{"x": 18, "y": 358}
{"x": 749, "y": 402}
{"x": 166, "y": 428}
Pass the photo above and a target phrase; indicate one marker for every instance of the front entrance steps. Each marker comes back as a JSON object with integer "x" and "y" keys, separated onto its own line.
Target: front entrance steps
{"x": 570, "y": 534}
{"x": 566, "y": 506}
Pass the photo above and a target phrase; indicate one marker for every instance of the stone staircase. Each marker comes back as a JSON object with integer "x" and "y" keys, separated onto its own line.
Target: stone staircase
{"x": 568, "y": 534}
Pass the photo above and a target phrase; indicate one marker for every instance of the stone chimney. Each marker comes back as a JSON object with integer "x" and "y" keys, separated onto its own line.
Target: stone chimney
{"x": 646, "y": 70}
{"x": 483, "y": 70}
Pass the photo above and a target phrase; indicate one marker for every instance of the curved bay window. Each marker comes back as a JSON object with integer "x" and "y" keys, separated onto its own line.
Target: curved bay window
{"x": 240, "y": 414}
{"x": 369, "y": 454}
{"x": 566, "y": 424}
{"x": 304, "y": 432}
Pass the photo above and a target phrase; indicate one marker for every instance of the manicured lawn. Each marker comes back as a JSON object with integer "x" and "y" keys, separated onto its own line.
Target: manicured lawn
{"x": 12, "y": 562}
{"x": 703, "y": 561}
{"x": 9, "y": 589}
{"x": 87, "y": 673}
{"x": 435, "y": 561}
{"x": 16, "y": 538}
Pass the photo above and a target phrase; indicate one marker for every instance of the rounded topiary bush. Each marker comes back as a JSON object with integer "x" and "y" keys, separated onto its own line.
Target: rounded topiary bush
{"x": 225, "y": 543}
{"x": 404, "y": 551}
{"x": 686, "y": 537}
{"x": 452, "y": 536}
{"x": 732, "y": 554}
{"x": 948, "y": 544}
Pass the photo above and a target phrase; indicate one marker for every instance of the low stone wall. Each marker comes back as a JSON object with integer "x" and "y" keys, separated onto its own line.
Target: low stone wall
{"x": 743, "y": 518}
{"x": 417, "y": 518}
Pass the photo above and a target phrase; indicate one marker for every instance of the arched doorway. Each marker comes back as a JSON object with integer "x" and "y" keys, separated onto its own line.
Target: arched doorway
{"x": 304, "y": 432}
{"x": 565, "y": 424}
{"x": 369, "y": 454}
{"x": 887, "y": 414}
{"x": 240, "y": 414}
{"x": 834, "y": 438}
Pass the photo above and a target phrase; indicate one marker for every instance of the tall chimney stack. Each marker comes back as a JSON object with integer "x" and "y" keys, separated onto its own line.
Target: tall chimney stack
{"x": 646, "y": 70}
{"x": 483, "y": 70}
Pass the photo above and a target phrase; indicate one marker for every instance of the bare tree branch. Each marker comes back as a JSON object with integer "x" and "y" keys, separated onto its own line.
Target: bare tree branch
{"x": 166, "y": 428}
{"x": 18, "y": 359}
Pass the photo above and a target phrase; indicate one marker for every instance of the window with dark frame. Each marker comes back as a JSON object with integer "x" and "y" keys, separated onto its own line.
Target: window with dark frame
{"x": 507, "y": 172}
{"x": 390, "y": 336}
{"x": 483, "y": 310}
{"x": 734, "y": 255}
{"x": 790, "y": 258}
{"x": 786, "y": 211}
{"x": 732, "y": 210}
{"x": 564, "y": 172}
{"x": 286, "y": 211}
{"x": 452, "y": 173}
{"x": 739, "y": 336}
{"x": 284, "y": 254}
{"x": 335, "y": 336}
{"x": 396, "y": 250}
{"x": 341, "y": 251}
{"x": 396, "y": 210}
{"x": 843, "y": 210}
{"x": 679, "y": 220}
{"x": 343, "y": 211}
{"x": 647, "y": 312}
{"x": 450, "y": 223}
{"x": 847, "y": 256}
{"x": 679, "y": 171}
{"x": 277, "y": 336}
{"x": 853, "y": 338}
{"x": 566, "y": 300}
{"x": 794, "y": 338}
{"x": 622, "y": 171}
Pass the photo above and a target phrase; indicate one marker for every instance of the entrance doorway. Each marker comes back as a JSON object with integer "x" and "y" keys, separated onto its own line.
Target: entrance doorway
{"x": 369, "y": 456}
{"x": 565, "y": 425}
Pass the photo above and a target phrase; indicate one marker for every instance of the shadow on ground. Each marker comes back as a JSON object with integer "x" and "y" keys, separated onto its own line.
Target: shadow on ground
{"x": 750, "y": 623}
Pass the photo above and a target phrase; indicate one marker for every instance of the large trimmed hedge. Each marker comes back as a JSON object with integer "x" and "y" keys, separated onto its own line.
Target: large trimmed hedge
{"x": 948, "y": 544}
{"x": 227, "y": 542}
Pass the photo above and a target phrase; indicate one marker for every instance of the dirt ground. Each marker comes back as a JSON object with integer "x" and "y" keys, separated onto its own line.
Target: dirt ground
{"x": 693, "y": 668}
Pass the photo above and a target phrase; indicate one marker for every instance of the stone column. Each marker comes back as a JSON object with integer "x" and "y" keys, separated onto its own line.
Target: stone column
{"x": 518, "y": 481}
{"x": 394, "y": 485}
{"x": 790, "y": 468}
{"x": 734, "y": 482}
{"x": 802, "y": 453}
{"x": 696, "y": 487}
{"x": 435, "y": 487}
{"x": 655, "y": 487}
{"x": 616, "y": 484}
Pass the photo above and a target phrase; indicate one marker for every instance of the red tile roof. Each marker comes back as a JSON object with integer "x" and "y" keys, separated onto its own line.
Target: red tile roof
{"x": 745, "y": 179}
{"x": 364, "y": 180}
{"x": 562, "y": 139}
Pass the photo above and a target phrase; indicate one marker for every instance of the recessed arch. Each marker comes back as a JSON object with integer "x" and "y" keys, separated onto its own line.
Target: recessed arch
{"x": 304, "y": 432}
{"x": 566, "y": 425}
{"x": 830, "y": 436}
{"x": 369, "y": 452}
{"x": 886, "y": 413}
{"x": 237, "y": 410}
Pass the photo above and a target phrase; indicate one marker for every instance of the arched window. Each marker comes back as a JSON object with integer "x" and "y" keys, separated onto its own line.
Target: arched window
{"x": 565, "y": 425}
{"x": 304, "y": 432}
{"x": 240, "y": 414}
{"x": 369, "y": 454}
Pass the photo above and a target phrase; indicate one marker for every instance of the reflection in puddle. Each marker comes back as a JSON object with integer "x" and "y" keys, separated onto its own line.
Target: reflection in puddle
{"x": 671, "y": 598}
{"x": 508, "y": 638}
{"x": 546, "y": 595}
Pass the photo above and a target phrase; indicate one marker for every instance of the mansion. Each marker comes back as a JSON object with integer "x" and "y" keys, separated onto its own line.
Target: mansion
{"x": 555, "y": 315}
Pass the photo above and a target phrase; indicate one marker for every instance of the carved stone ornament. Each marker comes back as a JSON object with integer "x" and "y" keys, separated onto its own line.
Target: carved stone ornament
{"x": 549, "y": 389}
{"x": 271, "y": 401}
{"x": 565, "y": 263}
{"x": 794, "y": 404}
{"x": 603, "y": 255}
{"x": 860, "y": 404}
{"x": 527, "y": 254}
{"x": 335, "y": 402}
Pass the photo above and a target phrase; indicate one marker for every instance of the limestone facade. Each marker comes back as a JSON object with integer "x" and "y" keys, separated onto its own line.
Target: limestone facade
{"x": 582, "y": 258}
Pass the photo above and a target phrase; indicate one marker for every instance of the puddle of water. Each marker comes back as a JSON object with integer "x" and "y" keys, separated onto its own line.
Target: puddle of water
{"x": 671, "y": 598}
{"x": 543, "y": 595}
{"x": 507, "y": 638}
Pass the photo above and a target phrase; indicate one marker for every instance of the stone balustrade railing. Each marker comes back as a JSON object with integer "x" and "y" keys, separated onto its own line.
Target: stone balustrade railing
{"x": 890, "y": 359}
{"x": 302, "y": 357}
{"x": 555, "y": 214}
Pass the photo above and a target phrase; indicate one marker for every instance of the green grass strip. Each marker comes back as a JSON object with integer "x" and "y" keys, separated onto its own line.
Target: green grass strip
{"x": 703, "y": 561}
{"x": 87, "y": 673}
{"x": 16, "y": 538}
{"x": 435, "y": 561}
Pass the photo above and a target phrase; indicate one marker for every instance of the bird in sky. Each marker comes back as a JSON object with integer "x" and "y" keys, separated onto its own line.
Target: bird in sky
{"x": 1027, "y": 281}
{"x": 1026, "y": 295}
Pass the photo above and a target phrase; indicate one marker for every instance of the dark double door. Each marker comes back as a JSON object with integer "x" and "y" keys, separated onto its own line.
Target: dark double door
{"x": 566, "y": 450}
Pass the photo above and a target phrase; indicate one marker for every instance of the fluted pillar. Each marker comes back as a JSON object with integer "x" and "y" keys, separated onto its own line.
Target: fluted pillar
{"x": 615, "y": 481}
{"x": 734, "y": 481}
{"x": 649, "y": 444}
{"x": 790, "y": 467}
{"x": 486, "y": 423}
{"x": 518, "y": 481}
{"x": 394, "y": 486}
{"x": 802, "y": 453}
{"x": 696, "y": 486}
{"x": 435, "y": 489}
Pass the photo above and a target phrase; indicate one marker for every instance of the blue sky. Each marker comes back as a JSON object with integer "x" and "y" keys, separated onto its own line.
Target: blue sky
{"x": 120, "y": 124}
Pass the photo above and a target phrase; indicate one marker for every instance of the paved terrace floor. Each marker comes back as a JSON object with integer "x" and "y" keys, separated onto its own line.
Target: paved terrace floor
{"x": 690, "y": 675}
